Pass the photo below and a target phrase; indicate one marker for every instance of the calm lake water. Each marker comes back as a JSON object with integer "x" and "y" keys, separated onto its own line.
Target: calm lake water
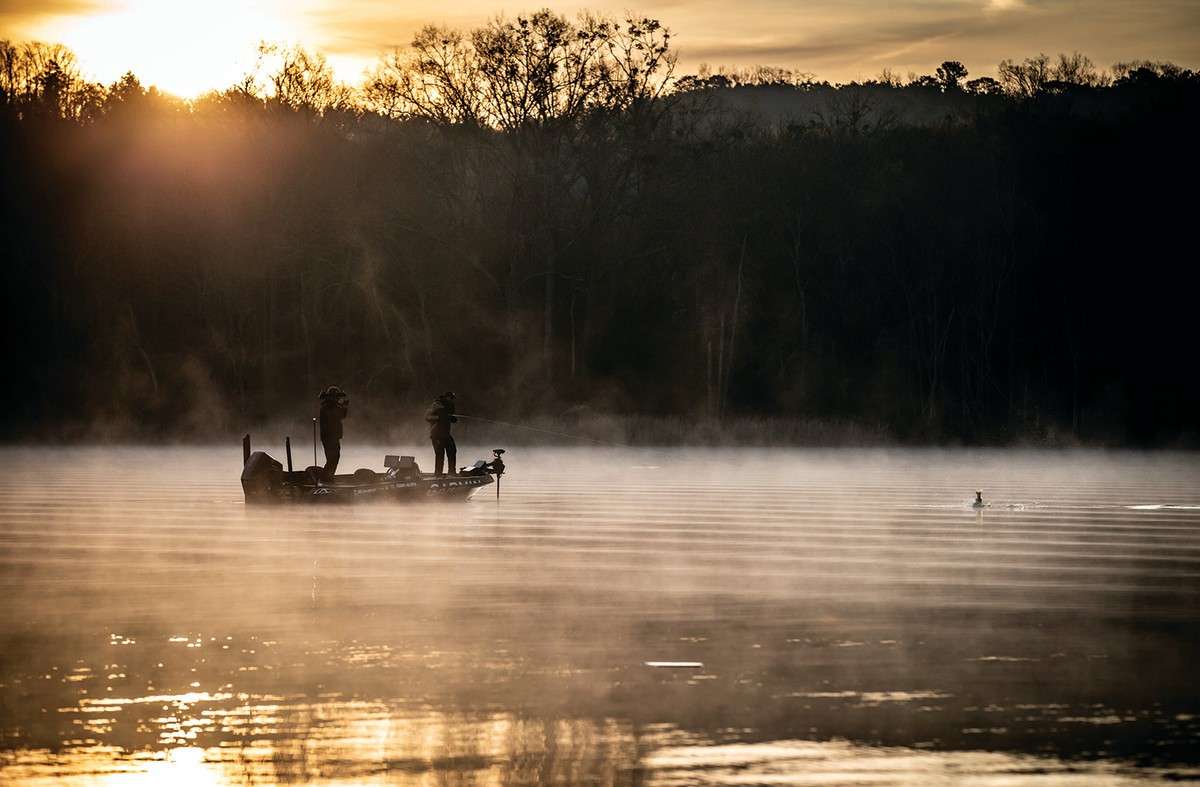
{"x": 826, "y": 617}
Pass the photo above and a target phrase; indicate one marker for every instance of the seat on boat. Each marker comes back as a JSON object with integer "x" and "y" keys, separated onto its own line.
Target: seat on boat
{"x": 402, "y": 467}
{"x": 364, "y": 474}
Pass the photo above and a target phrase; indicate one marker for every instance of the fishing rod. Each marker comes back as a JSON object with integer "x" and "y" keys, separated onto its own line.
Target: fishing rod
{"x": 543, "y": 431}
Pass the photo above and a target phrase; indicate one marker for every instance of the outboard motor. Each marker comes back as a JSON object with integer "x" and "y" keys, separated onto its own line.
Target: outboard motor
{"x": 261, "y": 478}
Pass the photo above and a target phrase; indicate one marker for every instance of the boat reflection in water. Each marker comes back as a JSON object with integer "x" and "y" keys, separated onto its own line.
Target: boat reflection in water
{"x": 617, "y": 618}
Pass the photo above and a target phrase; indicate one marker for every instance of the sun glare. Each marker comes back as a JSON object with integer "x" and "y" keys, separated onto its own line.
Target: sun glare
{"x": 182, "y": 767}
{"x": 184, "y": 47}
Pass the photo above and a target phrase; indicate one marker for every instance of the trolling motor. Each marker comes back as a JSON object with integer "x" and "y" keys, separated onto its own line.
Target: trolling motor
{"x": 497, "y": 468}
{"x": 494, "y": 467}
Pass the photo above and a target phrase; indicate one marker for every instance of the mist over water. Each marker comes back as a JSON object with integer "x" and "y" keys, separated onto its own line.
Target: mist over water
{"x": 854, "y": 620}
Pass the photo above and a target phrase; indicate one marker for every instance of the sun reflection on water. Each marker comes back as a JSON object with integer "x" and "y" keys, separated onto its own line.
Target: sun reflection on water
{"x": 504, "y": 750}
{"x": 183, "y": 767}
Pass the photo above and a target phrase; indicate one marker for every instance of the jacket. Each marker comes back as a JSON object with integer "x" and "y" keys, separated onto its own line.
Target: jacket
{"x": 439, "y": 416}
{"x": 332, "y": 415}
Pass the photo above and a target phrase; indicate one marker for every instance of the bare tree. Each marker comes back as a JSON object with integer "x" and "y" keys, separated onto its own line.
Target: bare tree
{"x": 530, "y": 71}
{"x": 293, "y": 78}
{"x": 436, "y": 79}
{"x": 1026, "y": 79}
{"x": 1078, "y": 69}
{"x": 552, "y": 87}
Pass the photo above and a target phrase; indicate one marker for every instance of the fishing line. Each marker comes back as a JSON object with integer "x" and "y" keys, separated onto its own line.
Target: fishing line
{"x": 543, "y": 431}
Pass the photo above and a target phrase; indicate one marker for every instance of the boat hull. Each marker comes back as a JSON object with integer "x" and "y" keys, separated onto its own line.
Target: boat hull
{"x": 265, "y": 481}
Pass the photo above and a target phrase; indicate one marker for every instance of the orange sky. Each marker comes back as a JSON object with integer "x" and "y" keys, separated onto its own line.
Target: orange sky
{"x": 188, "y": 46}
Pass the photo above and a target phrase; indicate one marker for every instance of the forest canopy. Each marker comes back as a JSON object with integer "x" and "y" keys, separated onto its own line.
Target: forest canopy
{"x": 542, "y": 214}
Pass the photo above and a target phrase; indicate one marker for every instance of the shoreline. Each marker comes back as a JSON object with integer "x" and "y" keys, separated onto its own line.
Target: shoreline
{"x": 599, "y": 431}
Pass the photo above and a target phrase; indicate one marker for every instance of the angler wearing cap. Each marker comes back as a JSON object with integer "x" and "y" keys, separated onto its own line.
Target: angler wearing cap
{"x": 335, "y": 406}
{"x": 439, "y": 416}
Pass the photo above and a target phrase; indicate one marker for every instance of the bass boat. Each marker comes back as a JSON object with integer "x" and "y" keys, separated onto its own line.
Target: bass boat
{"x": 264, "y": 480}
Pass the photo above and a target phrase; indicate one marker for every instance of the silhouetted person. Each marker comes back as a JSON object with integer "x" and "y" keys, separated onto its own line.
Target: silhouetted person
{"x": 335, "y": 406}
{"x": 440, "y": 415}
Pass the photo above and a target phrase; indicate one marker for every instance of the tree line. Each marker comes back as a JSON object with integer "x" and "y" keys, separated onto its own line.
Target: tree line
{"x": 543, "y": 215}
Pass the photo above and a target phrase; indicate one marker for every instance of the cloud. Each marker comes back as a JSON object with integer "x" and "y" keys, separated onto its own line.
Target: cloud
{"x": 852, "y": 43}
{"x": 33, "y": 9}
{"x": 917, "y": 36}
{"x": 370, "y": 27}
{"x": 835, "y": 39}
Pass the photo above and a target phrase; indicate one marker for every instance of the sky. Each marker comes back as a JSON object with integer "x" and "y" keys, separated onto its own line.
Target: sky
{"x": 189, "y": 46}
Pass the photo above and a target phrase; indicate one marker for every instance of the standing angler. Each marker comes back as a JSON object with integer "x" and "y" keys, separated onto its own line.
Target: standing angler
{"x": 335, "y": 406}
{"x": 440, "y": 415}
